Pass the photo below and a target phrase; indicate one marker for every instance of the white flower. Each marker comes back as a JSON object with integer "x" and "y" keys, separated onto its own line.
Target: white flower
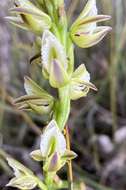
{"x": 24, "y": 178}
{"x": 54, "y": 60}
{"x": 52, "y": 49}
{"x": 80, "y": 83}
{"x": 84, "y": 31}
{"x": 53, "y": 150}
{"x": 52, "y": 134}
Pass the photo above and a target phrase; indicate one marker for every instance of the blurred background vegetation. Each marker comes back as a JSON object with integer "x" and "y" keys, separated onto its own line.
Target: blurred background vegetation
{"x": 97, "y": 122}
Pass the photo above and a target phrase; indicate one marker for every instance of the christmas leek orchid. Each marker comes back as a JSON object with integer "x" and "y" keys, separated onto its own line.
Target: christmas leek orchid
{"x": 29, "y": 17}
{"x": 80, "y": 83}
{"x": 84, "y": 31}
{"x": 47, "y": 18}
{"x": 37, "y": 99}
{"x": 53, "y": 149}
{"x": 24, "y": 178}
{"x": 54, "y": 60}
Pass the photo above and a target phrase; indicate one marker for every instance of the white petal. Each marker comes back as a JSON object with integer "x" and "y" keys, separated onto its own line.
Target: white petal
{"x": 18, "y": 167}
{"x": 81, "y": 74}
{"x": 52, "y": 130}
{"x": 85, "y": 77}
{"x": 90, "y": 9}
{"x": 93, "y": 11}
{"x": 50, "y": 43}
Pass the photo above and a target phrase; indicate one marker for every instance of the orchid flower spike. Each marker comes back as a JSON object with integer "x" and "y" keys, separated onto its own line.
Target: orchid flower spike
{"x": 84, "y": 31}
{"x": 80, "y": 83}
{"x": 53, "y": 149}
{"x": 54, "y": 60}
{"x": 37, "y": 99}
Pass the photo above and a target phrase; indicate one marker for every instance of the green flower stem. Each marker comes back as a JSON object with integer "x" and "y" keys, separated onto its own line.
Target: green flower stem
{"x": 49, "y": 180}
{"x": 62, "y": 107}
{"x": 41, "y": 185}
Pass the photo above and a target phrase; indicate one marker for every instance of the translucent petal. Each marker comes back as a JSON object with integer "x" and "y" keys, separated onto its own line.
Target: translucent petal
{"x": 52, "y": 49}
{"x": 18, "y": 167}
{"x": 79, "y": 86}
{"x": 90, "y": 9}
{"x": 81, "y": 74}
{"x": 52, "y": 131}
{"x": 32, "y": 88}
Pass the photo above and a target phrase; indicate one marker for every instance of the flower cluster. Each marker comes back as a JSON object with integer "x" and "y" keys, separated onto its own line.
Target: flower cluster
{"x": 48, "y": 21}
{"x": 55, "y": 60}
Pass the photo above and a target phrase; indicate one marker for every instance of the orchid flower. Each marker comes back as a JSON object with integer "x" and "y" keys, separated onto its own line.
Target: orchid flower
{"x": 29, "y": 17}
{"x": 37, "y": 99}
{"x": 54, "y": 60}
{"x": 24, "y": 178}
{"x": 80, "y": 83}
{"x": 53, "y": 148}
{"x": 84, "y": 31}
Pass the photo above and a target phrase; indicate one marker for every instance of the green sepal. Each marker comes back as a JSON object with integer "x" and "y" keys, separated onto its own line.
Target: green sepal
{"x": 37, "y": 155}
{"x": 32, "y": 17}
{"x": 23, "y": 182}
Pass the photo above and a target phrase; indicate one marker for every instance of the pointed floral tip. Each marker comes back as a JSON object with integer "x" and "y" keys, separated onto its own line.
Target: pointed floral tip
{"x": 69, "y": 155}
{"x": 13, "y": 19}
{"x": 17, "y": 21}
{"x": 24, "y": 11}
{"x": 94, "y": 19}
{"x": 90, "y": 85}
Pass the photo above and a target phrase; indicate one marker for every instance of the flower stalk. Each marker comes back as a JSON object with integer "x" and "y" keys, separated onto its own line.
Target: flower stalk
{"x": 48, "y": 20}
